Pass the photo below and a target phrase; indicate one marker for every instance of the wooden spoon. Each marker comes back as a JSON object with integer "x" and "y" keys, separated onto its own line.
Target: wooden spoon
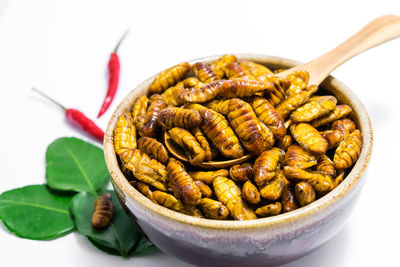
{"x": 378, "y": 31}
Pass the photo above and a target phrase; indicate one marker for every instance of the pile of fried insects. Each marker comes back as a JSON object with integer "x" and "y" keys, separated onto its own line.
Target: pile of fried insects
{"x": 301, "y": 142}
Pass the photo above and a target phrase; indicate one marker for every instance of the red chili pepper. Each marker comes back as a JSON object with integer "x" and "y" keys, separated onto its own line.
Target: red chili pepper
{"x": 113, "y": 74}
{"x": 77, "y": 119}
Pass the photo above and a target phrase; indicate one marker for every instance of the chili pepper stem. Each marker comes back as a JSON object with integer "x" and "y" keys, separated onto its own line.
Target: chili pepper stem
{"x": 49, "y": 98}
{"x": 120, "y": 40}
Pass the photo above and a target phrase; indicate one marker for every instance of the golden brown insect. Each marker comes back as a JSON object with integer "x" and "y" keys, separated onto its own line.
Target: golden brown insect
{"x": 182, "y": 183}
{"x": 140, "y": 107}
{"x": 265, "y": 166}
{"x": 295, "y": 100}
{"x": 124, "y": 134}
{"x": 315, "y": 107}
{"x": 298, "y": 81}
{"x": 244, "y": 88}
{"x": 267, "y": 135}
{"x": 269, "y": 210}
{"x": 332, "y": 137}
{"x": 288, "y": 199}
{"x": 217, "y": 129}
{"x": 170, "y": 96}
{"x": 141, "y": 119}
{"x": 325, "y": 165}
{"x": 150, "y": 127}
{"x": 246, "y": 126}
{"x": 202, "y": 94}
{"x": 285, "y": 142}
{"x": 309, "y": 138}
{"x": 179, "y": 117}
{"x": 153, "y": 148}
{"x": 205, "y": 72}
{"x": 219, "y": 66}
{"x": 144, "y": 189}
{"x": 338, "y": 112}
{"x": 167, "y": 200}
{"x": 320, "y": 181}
{"x": 192, "y": 211}
{"x": 229, "y": 194}
{"x": 188, "y": 142}
{"x": 214, "y": 209}
{"x": 348, "y": 151}
{"x": 250, "y": 193}
{"x": 269, "y": 116}
{"x": 274, "y": 188}
{"x": 298, "y": 157}
{"x": 145, "y": 169}
{"x": 257, "y": 70}
{"x": 207, "y": 177}
{"x": 281, "y": 85}
{"x": 103, "y": 211}
{"x": 168, "y": 78}
{"x": 241, "y": 173}
{"x": 198, "y": 133}
{"x": 220, "y": 106}
{"x": 205, "y": 189}
{"x": 304, "y": 193}
{"x": 338, "y": 179}
{"x": 340, "y": 130}
{"x": 235, "y": 70}
{"x": 191, "y": 82}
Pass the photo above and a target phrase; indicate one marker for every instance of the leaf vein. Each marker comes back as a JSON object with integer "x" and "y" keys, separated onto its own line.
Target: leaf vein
{"x": 34, "y": 205}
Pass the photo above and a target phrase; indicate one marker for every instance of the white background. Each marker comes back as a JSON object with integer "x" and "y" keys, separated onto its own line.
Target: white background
{"x": 62, "y": 47}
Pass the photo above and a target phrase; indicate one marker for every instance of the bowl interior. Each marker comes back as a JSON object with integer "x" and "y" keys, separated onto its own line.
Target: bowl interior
{"x": 341, "y": 92}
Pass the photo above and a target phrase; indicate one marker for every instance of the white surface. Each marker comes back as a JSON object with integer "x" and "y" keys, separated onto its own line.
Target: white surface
{"x": 62, "y": 47}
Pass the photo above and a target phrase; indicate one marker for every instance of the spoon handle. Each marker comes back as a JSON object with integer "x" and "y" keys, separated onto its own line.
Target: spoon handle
{"x": 378, "y": 31}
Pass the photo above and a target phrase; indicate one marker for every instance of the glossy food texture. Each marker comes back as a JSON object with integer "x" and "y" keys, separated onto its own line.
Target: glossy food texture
{"x": 169, "y": 77}
{"x": 201, "y": 138}
{"x": 273, "y": 189}
{"x": 205, "y": 72}
{"x": 124, "y": 134}
{"x": 298, "y": 157}
{"x": 305, "y": 194}
{"x": 214, "y": 209}
{"x": 250, "y": 193}
{"x": 295, "y": 100}
{"x": 150, "y": 126}
{"x": 167, "y": 200}
{"x": 103, "y": 211}
{"x": 219, "y": 65}
{"x": 309, "y": 138}
{"x": 207, "y": 177}
{"x": 139, "y": 108}
{"x": 189, "y": 143}
{"x": 241, "y": 173}
{"x": 338, "y": 112}
{"x": 348, "y": 150}
{"x": 235, "y": 70}
{"x": 266, "y": 164}
{"x": 179, "y": 117}
{"x": 269, "y": 210}
{"x": 315, "y": 107}
{"x": 153, "y": 148}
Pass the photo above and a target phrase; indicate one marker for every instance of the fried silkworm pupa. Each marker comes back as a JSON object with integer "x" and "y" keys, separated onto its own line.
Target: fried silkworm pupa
{"x": 153, "y": 148}
{"x": 103, "y": 211}
{"x": 298, "y": 82}
{"x": 169, "y": 78}
{"x": 244, "y": 88}
{"x": 144, "y": 189}
{"x": 204, "y": 93}
{"x": 288, "y": 199}
{"x": 274, "y": 188}
{"x": 320, "y": 181}
{"x": 281, "y": 85}
{"x": 265, "y": 166}
{"x": 167, "y": 200}
{"x": 140, "y": 107}
{"x": 269, "y": 116}
{"x": 340, "y": 130}
{"x": 124, "y": 134}
{"x": 192, "y": 211}
{"x": 205, "y": 189}
{"x": 338, "y": 112}
{"x": 170, "y": 96}
{"x": 267, "y": 135}
{"x": 207, "y": 177}
{"x": 188, "y": 142}
{"x": 295, "y": 100}
{"x": 269, "y": 210}
{"x": 220, "y": 106}
{"x": 309, "y": 138}
{"x": 246, "y": 125}
{"x": 213, "y": 209}
{"x": 150, "y": 127}
{"x": 145, "y": 169}
{"x": 250, "y": 193}
{"x": 325, "y": 165}
{"x": 332, "y": 137}
{"x": 235, "y": 70}
{"x": 191, "y": 82}
{"x": 255, "y": 69}
{"x": 198, "y": 133}
{"x": 241, "y": 173}
{"x": 338, "y": 179}
{"x": 230, "y": 195}
{"x": 298, "y": 157}
{"x": 182, "y": 183}
{"x": 285, "y": 142}
{"x": 219, "y": 66}
{"x": 348, "y": 151}
{"x": 315, "y": 107}
{"x": 205, "y": 72}
{"x": 217, "y": 129}
{"x": 171, "y": 117}
{"x": 304, "y": 193}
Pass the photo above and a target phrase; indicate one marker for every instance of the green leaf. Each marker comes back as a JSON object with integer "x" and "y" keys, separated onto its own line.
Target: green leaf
{"x": 34, "y": 212}
{"x": 144, "y": 247}
{"x": 73, "y": 164}
{"x": 122, "y": 234}
{"x": 103, "y": 248}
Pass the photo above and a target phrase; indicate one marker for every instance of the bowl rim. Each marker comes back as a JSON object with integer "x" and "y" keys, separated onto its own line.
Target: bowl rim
{"x": 119, "y": 180}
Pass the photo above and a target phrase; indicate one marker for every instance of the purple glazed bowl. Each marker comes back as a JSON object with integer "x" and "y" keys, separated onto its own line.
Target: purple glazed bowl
{"x": 261, "y": 242}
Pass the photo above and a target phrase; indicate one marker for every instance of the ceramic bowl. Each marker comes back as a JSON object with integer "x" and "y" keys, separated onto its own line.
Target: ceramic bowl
{"x": 261, "y": 242}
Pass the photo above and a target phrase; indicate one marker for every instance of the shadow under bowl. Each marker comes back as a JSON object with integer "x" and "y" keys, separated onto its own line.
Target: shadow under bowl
{"x": 261, "y": 242}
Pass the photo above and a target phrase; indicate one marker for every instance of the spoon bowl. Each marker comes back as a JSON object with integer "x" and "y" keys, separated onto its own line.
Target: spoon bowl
{"x": 178, "y": 152}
